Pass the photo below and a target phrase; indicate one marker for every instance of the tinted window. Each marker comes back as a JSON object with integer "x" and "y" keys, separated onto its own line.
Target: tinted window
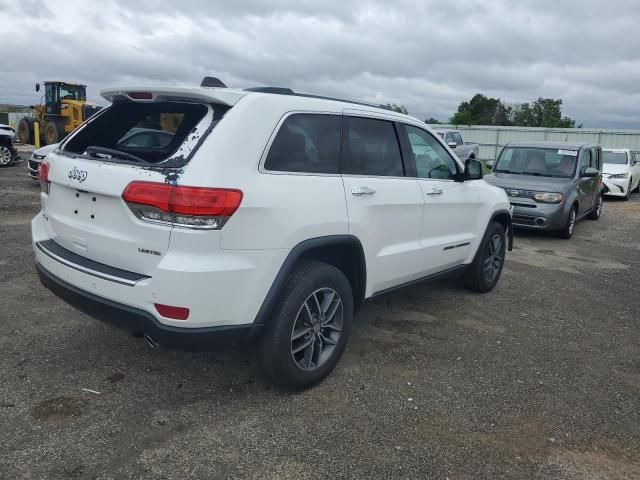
{"x": 458, "y": 138}
{"x": 432, "y": 160}
{"x": 372, "y": 148}
{"x": 306, "y": 143}
{"x": 449, "y": 138}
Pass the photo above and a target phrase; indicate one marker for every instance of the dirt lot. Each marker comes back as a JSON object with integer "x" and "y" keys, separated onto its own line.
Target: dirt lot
{"x": 539, "y": 379}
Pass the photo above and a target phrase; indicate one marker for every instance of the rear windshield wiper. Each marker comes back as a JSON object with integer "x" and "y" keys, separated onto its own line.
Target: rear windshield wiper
{"x": 114, "y": 153}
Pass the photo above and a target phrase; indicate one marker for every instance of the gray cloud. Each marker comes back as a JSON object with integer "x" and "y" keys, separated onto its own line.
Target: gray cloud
{"x": 428, "y": 55}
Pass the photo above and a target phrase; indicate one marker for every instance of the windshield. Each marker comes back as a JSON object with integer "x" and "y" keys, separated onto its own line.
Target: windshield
{"x": 544, "y": 162}
{"x": 73, "y": 92}
{"x": 619, "y": 158}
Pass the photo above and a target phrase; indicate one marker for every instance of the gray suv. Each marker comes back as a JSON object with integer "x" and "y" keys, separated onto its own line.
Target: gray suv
{"x": 551, "y": 185}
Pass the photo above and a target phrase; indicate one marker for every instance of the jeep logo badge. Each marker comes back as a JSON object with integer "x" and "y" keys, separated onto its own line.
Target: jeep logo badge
{"x": 79, "y": 175}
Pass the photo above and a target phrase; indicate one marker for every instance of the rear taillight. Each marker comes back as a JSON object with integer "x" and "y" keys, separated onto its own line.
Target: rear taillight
{"x": 192, "y": 207}
{"x": 43, "y": 176}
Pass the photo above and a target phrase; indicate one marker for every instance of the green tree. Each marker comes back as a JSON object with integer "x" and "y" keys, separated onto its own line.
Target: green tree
{"x": 433, "y": 121}
{"x": 544, "y": 112}
{"x": 482, "y": 110}
{"x": 398, "y": 108}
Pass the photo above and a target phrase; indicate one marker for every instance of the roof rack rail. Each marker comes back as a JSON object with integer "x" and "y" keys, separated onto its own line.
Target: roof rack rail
{"x": 275, "y": 90}
{"x": 288, "y": 91}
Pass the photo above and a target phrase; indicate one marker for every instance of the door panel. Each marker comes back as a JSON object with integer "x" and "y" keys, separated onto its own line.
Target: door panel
{"x": 586, "y": 186}
{"x": 386, "y": 215}
{"x": 450, "y": 208}
{"x": 385, "y": 207}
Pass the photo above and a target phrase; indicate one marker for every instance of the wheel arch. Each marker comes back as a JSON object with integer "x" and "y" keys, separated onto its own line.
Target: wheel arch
{"x": 503, "y": 217}
{"x": 345, "y": 252}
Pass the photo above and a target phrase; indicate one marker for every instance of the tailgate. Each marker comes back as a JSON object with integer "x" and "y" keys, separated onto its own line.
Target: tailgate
{"x": 87, "y": 216}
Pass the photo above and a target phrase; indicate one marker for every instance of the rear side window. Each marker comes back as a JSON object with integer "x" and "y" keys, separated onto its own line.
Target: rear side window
{"x": 151, "y": 133}
{"x": 371, "y": 148}
{"x": 308, "y": 143}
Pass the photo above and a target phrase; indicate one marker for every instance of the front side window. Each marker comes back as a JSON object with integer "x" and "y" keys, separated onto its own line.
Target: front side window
{"x": 585, "y": 160}
{"x": 308, "y": 143}
{"x": 371, "y": 148}
{"x": 457, "y": 138}
{"x": 432, "y": 160}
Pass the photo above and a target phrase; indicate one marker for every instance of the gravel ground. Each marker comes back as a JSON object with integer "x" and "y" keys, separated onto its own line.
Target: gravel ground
{"x": 538, "y": 379}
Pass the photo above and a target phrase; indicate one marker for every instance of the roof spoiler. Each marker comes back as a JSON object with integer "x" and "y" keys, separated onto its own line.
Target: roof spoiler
{"x": 212, "y": 82}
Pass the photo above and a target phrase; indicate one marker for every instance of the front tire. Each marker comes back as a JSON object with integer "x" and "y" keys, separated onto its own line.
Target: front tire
{"x": 596, "y": 212}
{"x": 485, "y": 271}
{"x": 309, "y": 328}
{"x": 570, "y": 226}
{"x": 53, "y": 132}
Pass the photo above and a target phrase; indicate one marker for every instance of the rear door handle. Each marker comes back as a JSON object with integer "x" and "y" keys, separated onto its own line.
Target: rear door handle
{"x": 359, "y": 191}
{"x": 434, "y": 191}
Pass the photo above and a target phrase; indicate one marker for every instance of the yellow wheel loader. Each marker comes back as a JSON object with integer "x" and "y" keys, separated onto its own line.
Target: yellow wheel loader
{"x": 65, "y": 108}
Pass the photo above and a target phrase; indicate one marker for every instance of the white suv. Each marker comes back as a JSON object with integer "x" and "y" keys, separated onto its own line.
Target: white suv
{"x": 257, "y": 216}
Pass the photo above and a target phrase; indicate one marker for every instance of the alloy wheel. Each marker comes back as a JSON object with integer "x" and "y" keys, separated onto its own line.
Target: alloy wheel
{"x": 5, "y": 156}
{"x": 493, "y": 259}
{"x": 316, "y": 329}
{"x": 572, "y": 221}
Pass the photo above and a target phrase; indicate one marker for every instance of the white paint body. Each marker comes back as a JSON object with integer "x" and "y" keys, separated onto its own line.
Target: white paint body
{"x": 223, "y": 276}
{"x": 619, "y": 187}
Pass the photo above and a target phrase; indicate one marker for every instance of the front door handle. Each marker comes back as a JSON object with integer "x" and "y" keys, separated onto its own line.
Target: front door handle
{"x": 434, "y": 191}
{"x": 359, "y": 191}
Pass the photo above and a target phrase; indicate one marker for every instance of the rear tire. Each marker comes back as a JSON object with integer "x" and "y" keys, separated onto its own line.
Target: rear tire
{"x": 570, "y": 226}
{"x": 483, "y": 274}
{"x": 309, "y": 328}
{"x": 596, "y": 212}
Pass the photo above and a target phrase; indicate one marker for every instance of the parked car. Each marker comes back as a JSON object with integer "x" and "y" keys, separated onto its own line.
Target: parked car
{"x": 463, "y": 150}
{"x": 36, "y": 157}
{"x": 551, "y": 185}
{"x": 8, "y": 153}
{"x": 621, "y": 175}
{"x": 268, "y": 219}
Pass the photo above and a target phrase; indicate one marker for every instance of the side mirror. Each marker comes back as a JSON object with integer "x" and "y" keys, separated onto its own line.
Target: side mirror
{"x": 473, "y": 169}
{"x": 37, "y": 87}
{"x": 489, "y": 164}
{"x": 590, "y": 172}
{"x": 452, "y": 144}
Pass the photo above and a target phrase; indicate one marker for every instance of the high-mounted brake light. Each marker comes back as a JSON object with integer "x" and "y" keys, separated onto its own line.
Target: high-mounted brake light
{"x": 140, "y": 95}
{"x": 43, "y": 176}
{"x": 192, "y": 207}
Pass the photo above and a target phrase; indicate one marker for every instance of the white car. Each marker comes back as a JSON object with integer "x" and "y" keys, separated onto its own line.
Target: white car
{"x": 268, "y": 219}
{"x": 621, "y": 172}
{"x": 36, "y": 157}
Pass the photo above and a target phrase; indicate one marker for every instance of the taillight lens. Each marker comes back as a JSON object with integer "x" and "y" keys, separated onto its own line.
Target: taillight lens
{"x": 43, "y": 176}
{"x": 192, "y": 207}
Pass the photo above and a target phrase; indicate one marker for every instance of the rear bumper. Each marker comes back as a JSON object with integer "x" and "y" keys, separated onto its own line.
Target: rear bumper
{"x": 140, "y": 322}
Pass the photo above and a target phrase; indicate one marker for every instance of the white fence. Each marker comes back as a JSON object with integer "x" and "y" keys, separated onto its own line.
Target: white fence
{"x": 492, "y": 139}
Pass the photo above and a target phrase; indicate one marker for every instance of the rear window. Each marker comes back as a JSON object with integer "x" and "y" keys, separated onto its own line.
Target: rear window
{"x": 372, "y": 148}
{"x": 166, "y": 133}
{"x": 308, "y": 143}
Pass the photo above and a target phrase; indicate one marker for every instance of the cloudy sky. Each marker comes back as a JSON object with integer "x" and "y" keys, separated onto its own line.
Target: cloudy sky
{"x": 428, "y": 55}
